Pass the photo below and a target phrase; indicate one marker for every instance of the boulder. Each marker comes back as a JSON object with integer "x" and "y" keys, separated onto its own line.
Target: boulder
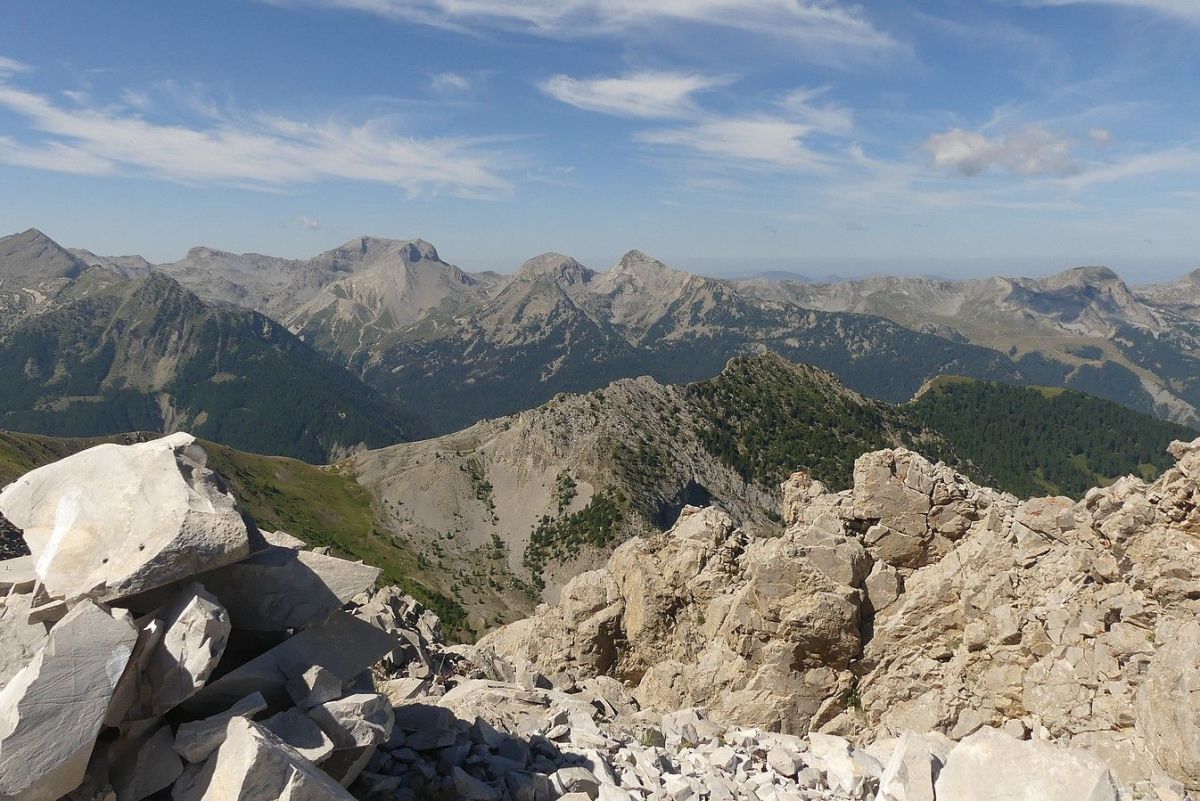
{"x": 116, "y": 520}
{"x": 910, "y": 773}
{"x": 992, "y": 766}
{"x": 253, "y": 764}
{"x": 300, "y": 732}
{"x": 196, "y": 740}
{"x": 16, "y": 575}
{"x": 149, "y": 765}
{"x": 344, "y": 645}
{"x": 285, "y": 588}
{"x": 1168, "y": 706}
{"x": 52, "y": 710}
{"x": 196, "y": 629}
{"x": 356, "y": 720}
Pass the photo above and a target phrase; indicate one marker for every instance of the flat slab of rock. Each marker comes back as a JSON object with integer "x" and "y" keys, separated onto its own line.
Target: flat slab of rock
{"x": 344, "y": 646}
{"x": 285, "y": 588}
{"x": 253, "y": 765}
{"x": 19, "y": 639}
{"x": 990, "y": 765}
{"x": 16, "y": 575}
{"x": 117, "y": 520}
{"x": 52, "y": 710}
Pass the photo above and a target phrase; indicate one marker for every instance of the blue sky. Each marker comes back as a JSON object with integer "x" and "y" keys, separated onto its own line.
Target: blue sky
{"x": 956, "y": 137}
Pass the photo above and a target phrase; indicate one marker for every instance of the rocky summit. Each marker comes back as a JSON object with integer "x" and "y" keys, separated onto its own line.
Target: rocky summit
{"x": 914, "y": 637}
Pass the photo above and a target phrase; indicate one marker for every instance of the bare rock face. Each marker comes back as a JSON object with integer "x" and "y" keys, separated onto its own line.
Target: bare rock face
{"x": 915, "y": 601}
{"x": 116, "y": 520}
{"x": 53, "y": 708}
{"x": 698, "y": 616}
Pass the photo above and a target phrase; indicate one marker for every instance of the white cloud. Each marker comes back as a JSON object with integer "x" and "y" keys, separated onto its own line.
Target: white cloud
{"x": 308, "y": 223}
{"x": 1182, "y": 9}
{"x": 450, "y": 82}
{"x": 137, "y": 100}
{"x": 1101, "y": 136}
{"x": 260, "y": 152}
{"x": 815, "y": 23}
{"x": 778, "y": 138}
{"x": 1027, "y": 151}
{"x": 639, "y": 94}
{"x": 8, "y": 66}
{"x": 751, "y": 141}
{"x": 1170, "y": 160}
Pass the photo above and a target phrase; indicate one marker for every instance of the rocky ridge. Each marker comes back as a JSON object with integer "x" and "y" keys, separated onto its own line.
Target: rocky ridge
{"x": 208, "y": 660}
{"x": 915, "y": 601}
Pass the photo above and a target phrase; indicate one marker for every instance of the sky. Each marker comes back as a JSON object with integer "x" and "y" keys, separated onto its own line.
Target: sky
{"x": 948, "y": 137}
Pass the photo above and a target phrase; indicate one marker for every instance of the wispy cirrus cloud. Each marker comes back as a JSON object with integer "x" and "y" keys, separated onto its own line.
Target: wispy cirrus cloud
{"x": 813, "y": 23}
{"x": 261, "y": 151}
{"x": 1182, "y": 9}
{"x": 776, "y": 137}
{"x": 639, "y": 94}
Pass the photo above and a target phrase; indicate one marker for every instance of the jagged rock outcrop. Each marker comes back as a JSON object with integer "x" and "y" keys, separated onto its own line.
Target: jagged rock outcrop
{"x": 915, "y": 601}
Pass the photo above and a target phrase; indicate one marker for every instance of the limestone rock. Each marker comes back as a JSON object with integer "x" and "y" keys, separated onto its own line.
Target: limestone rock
{"x": 1168, "y": 706}
{"x": 992, "y": 766}
{"x": 285, "y": 588}
{"x": 196, "y": 740}
{"x": 116, "y": 520}
{"x": 253, "y": 764}
{"x": 51, "y": 711}
{"x": 151, "y": 765}
{"x": 16, "y": 575}
{"x": 344, "y": 645}
{"x": 300, "y": 732}
{"x": 19, "y": 639}
{"x": 356, "y": 720}
{"x": 196, "y": 631}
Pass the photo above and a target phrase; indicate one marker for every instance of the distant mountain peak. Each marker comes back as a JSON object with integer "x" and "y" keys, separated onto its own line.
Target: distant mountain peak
{"x": 410, "y": 250}
{"x": 32, "y": 256}
{"x": 1084, "y": 276}
{"x": 563, "y": 269}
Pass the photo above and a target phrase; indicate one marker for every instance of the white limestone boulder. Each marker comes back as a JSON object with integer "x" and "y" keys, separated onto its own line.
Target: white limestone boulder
{"x": 253, "y": 765}
{"x": 990, "y": 765}
{"x": 286, "y": 588}
{"x": 52, "y": 710}
{"x": 116, "y": 520}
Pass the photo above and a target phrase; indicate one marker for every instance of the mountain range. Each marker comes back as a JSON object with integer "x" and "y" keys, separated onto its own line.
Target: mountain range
{"x": 417, "y": 346}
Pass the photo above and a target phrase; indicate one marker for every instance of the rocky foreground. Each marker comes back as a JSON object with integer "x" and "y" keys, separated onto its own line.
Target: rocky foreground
{"x": 914, "y": 638}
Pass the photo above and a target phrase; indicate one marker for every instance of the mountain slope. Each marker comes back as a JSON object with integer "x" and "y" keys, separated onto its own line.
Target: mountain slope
{"x": 110, "y": 354}
{"x": 1035, "y": 440}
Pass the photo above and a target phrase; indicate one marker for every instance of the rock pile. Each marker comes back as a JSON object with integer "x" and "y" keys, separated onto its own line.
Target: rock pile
{"x": 915, "y": 601}
{"x": 151, "y": 623}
